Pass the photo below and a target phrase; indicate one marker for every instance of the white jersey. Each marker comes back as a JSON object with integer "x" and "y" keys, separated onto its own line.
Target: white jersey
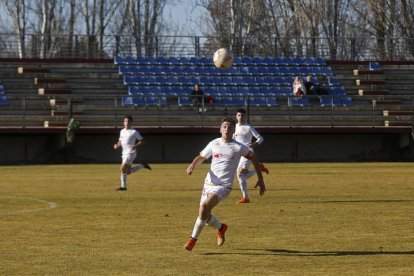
{"x": 128, "y": 138}
{"x": 245, "y": 133}
{"x": 224, "y": 162}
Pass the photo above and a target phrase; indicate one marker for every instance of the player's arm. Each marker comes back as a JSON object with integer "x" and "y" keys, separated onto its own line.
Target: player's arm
{"x": 260, "y": 182}
{"x": 138, "y": 143}
{"x": 259, "y": 138}
{"x": 117, "y": 145}
{"x": 197, "y": 161}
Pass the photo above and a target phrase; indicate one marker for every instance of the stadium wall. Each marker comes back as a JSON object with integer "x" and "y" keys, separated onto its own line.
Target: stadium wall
{"x": 174, "y": 147}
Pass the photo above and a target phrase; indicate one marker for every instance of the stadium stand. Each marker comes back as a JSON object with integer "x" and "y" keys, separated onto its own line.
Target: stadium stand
{"x": 97, "y": 93}
{"x": 263, "y": 78}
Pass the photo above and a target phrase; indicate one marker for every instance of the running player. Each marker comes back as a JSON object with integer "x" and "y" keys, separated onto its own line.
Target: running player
{"x": 129, "y": 140}
{"x": 244, "y": 134}
{"x": 225, "y": 153}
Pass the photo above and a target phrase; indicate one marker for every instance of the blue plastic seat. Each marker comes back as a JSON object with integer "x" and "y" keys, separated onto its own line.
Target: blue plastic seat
{"x": 373, "y": 65}
{"x": 1, "y": 89}
{"x": 138, "y": 100}
{"x": 333, "y": 81}
{"x": 295, "y": 101}
{"x": 329, "y": 101}
{"x": 346, "y": 101}
{"x": 3, "y": 100}
{"x": 339, "y": 90}
{"x": 271, "y": 100}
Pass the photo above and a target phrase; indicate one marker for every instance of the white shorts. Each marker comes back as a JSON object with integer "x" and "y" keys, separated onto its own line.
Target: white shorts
{"x": 128, "y": 159}
{"x": 221, "y": 192}
{"x": 244, "y": 163}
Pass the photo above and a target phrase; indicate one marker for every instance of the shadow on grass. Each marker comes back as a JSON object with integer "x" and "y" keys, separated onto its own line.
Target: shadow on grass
{"x": 351, "y": 201}
{"x": 286, "y": 252}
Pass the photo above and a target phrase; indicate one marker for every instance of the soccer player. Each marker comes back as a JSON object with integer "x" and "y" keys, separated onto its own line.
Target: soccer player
{"x": 129, "y": 140}
{"x": 225, "y": 153}
{"x": 244, "y": 134}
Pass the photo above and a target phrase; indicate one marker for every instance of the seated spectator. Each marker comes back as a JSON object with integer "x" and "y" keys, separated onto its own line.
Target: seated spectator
{"x": 197, "y": 96}
{"x": 310, "y": 86}
{"x": 298, "y": 87}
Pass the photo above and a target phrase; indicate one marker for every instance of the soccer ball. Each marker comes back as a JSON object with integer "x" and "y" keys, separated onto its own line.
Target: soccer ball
{"x": 223, "y": 58}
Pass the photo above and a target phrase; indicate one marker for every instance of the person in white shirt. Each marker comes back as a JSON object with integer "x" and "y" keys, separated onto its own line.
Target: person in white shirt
{"x": 225, "y": 153}
{"x": 129, "y": 140}
{"x": 244, "y": 134}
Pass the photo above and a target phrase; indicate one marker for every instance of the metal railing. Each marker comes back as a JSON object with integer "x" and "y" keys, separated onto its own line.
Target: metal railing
{"x": 108, "y": 46}
{"x": 106, "y": 111}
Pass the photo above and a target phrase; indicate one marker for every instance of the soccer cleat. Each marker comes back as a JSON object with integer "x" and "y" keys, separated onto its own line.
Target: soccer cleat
{"x": 121, "y": 189}
{"x": 220, "y": 234}
{"x": 263, "y": 168}
{"x": 146, "y": 166}
{"x": 244, "y": 200}
{"x": 190, "y": 244}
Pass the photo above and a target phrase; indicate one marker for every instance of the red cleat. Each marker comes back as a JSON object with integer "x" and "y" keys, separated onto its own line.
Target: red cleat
{"x": 190, "y": 244}
{"x": 244, "y": 200}
{"x": 220, "y": 234}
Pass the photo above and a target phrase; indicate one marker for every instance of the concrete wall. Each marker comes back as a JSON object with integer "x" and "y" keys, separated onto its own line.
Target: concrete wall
{"x": 158, "y": 148}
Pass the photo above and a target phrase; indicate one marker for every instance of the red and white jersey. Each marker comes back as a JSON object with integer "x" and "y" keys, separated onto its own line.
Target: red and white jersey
{"x": 245, "y": 133}
{"x": 128, "y": 139}
{"x": 224, "y": 160}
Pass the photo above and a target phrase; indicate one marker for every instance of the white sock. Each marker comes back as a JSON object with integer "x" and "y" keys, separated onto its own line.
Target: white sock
{"x": 198, "y": 227}
{"x": 136, "y": 168}
{"x": 250, "y": 173}
{"x": 243, "y": 184}
{"x": 214, "y": 222}
{"x": 123, "y": 180}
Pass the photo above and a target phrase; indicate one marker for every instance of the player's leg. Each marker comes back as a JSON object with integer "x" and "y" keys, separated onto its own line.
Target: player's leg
{"x": 210, "y": 197}
{"x": 125, "y": 168}
{"x": 242, "y": 171}
{"x": 139, "y": 166}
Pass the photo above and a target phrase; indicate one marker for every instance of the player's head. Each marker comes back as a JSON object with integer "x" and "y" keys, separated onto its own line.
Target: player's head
{"x": 127, "y": 121}
{"x": 241, "y": 115}
{"x": 227, "y": 128}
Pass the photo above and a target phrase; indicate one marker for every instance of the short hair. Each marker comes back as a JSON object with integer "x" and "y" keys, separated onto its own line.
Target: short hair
{"x": 228, "y": 120}
{"x": 129, "y": 117}
{"x": 241, "y": 110}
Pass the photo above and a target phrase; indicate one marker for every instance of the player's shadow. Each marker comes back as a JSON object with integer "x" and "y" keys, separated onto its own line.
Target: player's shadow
{"x": 286, "y": 252}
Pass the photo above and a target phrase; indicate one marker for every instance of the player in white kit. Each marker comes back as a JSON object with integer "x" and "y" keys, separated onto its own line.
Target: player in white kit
{"x": 225, "y": 153}
{"x": 129, "y": 140}
{"x": 244, "y": 134}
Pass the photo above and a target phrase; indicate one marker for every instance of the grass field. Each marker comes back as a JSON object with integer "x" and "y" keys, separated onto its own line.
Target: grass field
{"x": 319, "y": 219}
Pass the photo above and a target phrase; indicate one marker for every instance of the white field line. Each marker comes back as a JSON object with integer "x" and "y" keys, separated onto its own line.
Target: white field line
{"x": 50, "y": 205}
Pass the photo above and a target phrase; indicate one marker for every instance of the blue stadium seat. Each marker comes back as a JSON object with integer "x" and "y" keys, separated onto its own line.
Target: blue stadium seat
{"x": 346, "y": 101}
{"x": 3, "y": 100}
{"x": 126, "y": 101}
{"x": 295, "y": 101}
{"x": 320, "y": 61}
{"x": 1, "y": 89}
{"x": 333, "y": 81}
{"x": 329, "y": 101}
{"x": 184, "y": 100}
{"x": 374, "y": 66}
{"x": 339, "y": 90}
{"x": 119, "y": 60}
{"x": 271, "y": 100}
{"x": 138, "y": 100}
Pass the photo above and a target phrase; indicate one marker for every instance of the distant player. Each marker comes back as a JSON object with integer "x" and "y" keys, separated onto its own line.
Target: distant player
{"x": 225, "y": 153}
{"x": 244, "y": 134}
{"x": 129, "y": 140}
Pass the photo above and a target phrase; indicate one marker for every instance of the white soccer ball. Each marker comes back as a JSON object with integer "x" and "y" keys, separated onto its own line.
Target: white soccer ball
{"x": 223, "y": 58}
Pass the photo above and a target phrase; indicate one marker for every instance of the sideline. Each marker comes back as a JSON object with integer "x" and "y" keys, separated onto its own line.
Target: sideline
{"x": 50, "y": 205}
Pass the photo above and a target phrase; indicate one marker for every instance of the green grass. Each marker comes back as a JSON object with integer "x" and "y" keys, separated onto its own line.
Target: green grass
{"x": 319, "y": 219}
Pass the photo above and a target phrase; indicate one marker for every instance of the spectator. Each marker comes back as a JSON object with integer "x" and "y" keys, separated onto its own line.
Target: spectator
{"x": 197, "y": 97}
{"x": 298, "y": 87}
{"x": 310, "y": 86}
